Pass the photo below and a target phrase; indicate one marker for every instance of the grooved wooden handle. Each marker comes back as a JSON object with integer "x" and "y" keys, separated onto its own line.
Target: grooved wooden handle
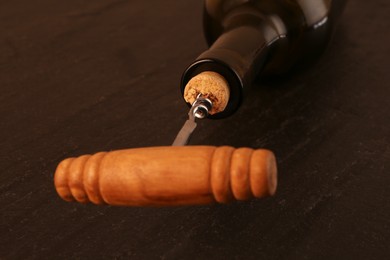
{"x": 171, "y": 175}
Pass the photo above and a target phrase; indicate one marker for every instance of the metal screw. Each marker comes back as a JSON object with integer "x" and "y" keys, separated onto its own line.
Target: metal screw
{"x": 201, "y": 107}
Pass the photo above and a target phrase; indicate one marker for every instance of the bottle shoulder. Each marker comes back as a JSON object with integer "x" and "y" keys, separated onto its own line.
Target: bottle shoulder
{"x": 298, "y": 30}
{"x": 289, "y": 16}
{"x": 309, "y": 12}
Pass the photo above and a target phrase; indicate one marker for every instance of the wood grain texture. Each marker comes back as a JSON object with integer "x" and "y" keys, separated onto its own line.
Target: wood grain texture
{"x": 167, "y": 176}
{"x": 78, "y": 77}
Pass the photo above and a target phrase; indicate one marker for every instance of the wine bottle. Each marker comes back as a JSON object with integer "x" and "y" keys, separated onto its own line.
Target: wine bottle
{"x": 256, "y": 38}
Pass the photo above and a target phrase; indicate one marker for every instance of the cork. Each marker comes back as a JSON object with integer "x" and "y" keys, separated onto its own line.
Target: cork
{"x": 212, "y": 86}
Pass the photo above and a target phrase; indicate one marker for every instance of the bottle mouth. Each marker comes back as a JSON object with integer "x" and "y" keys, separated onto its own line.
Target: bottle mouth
{"x": 233, "y": 80}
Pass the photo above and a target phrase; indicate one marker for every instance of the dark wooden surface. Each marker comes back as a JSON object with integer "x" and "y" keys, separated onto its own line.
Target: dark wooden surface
{"x": 84, "y": 76}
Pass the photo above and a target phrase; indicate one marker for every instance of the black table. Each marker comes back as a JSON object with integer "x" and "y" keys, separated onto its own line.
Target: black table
{"x": 84, "y": 76}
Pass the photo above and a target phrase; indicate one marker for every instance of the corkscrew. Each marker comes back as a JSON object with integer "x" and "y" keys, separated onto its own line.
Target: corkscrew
{"x": 169, "y": 176}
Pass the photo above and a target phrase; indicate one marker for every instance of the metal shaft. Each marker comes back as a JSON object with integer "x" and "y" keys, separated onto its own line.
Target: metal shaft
{"x": 200, "y": 109}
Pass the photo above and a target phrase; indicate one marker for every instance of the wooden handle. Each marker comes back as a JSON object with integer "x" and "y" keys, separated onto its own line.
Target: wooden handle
{"x": 172, "y": 175}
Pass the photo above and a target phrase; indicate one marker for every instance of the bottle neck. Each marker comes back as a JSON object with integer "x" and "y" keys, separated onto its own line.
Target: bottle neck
{"x": 238, "y": 55}
{"x": 244, "y": 49}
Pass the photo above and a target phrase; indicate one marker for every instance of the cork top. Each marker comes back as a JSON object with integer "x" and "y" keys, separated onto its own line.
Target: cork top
{"x": 212, "y": 86}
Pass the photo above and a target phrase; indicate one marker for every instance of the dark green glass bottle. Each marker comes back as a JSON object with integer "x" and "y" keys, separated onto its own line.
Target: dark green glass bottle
{"x": 255, "y": 38}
